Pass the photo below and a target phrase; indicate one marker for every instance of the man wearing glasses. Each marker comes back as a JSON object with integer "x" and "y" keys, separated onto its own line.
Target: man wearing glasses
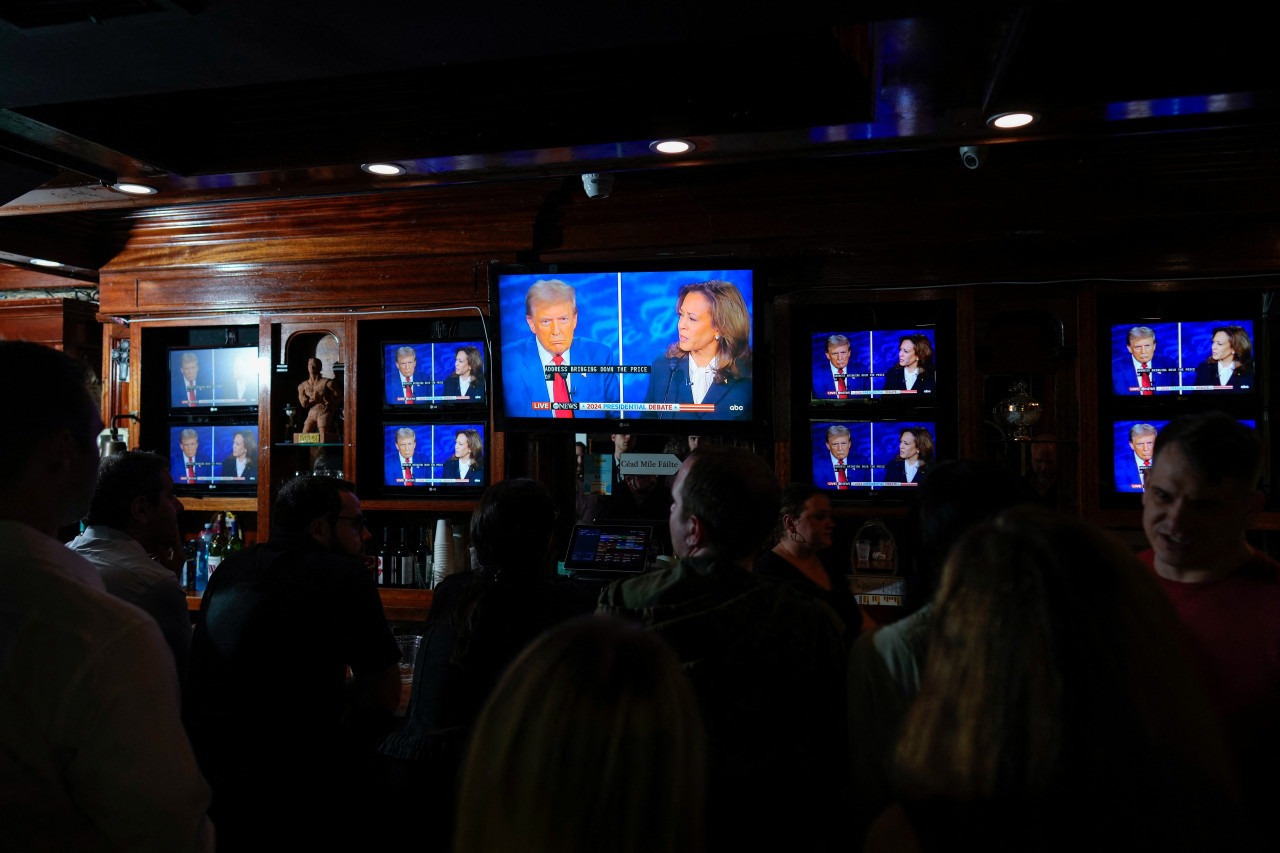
{"x": 278, "y": 727}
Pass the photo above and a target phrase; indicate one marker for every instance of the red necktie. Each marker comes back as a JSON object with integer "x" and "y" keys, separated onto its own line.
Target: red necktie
{"x": 1144, "y": 379}
{"x": 408, "y": 475}
{"x": 191, "y": 471}
{"x": 191, "y": 392}
{"x": 840, "y": 478}
{"x": 560, "y": 390}
{"x": 843, "y": 392}
{"x": 408, "y": 391}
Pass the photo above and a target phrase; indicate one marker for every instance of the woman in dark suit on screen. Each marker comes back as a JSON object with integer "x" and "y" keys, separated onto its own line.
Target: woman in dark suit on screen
{"x": 915, "y": 455}
{"x": 243, "y": 461}
{"x": 1230, "y": 361}
{"x": 914, "y": 371}
{"x": 710, "y": 362}
{"x": 467, "y": 462}
{"x": 467, "y": 379}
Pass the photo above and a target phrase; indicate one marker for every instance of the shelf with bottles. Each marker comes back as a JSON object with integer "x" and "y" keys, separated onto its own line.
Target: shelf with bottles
{"x": 191, "y": 503}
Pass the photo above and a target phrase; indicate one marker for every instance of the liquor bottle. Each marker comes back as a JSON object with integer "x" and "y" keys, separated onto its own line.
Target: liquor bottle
{"x": 189, "y": 550}
{"x": 386, "y": 556}
{"x": 408, "y": 560}
{"x": 217, "y": 547}
{"x": 424, "y": 558}
{"x": 235, "y": 542}
{"x": 203, "y": 543}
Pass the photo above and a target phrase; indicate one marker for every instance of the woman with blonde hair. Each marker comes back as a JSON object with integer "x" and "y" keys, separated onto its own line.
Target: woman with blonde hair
{"x": 710, "y": 361}
{"x": 1057, "y": 711}
{"x": 592, "y": 741}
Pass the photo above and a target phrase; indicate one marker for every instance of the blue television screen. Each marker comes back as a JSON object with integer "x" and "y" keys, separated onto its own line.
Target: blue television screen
{"x": 214, "y": 456}
{"x": 434, "y": 374}
{"x": 627, "y": 345}
{"x": 852, "y": 364}
{"x": 1152, "y": 359}
{"x": 1133, "y": 445}
{"x": 433, "y": 455}
{"x": 209, "y": 378}
{"x": 866, "y": 455}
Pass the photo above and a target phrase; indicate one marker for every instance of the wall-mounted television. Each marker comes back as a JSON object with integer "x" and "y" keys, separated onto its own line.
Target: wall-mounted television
{"x": 1151, "y": 358}
{"x": 1133, "y": 445}
{"x": 213, "y": 379}
{"x": 214, "y": 457}
{"x": 864, "y": 456}
{"x": 649, "y": 349}
{"x": 434, "y": 457}
{"x": 434, "y": 374}
{"x": 851, "y": 364}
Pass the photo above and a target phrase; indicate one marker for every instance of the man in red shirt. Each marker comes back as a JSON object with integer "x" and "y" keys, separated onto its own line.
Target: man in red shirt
{"x": 1202, "y": 495}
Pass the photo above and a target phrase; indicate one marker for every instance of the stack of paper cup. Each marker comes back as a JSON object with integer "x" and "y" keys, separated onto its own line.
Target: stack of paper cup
{"x": 441, "y": 553}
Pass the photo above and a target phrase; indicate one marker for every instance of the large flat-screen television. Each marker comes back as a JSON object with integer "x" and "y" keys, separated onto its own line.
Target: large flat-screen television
{"x": 433, "y": 457}
{"x": 850, "y": 364}
{"x": 1151, "y": 358}
{"x": 1133, "y": 445}
{"x": 214, "y": 457}
{"x": 656, "y": 351}
{"x": 213, "y": 379}
{"x": 434, "y": 374}
{"x": 860, "y": 456}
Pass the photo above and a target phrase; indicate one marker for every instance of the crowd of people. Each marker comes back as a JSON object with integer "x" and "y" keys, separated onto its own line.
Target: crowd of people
{"x": 1046, "y": 689}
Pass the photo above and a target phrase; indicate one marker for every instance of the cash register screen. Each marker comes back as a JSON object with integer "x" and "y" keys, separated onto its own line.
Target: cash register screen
{"x": 608, "y": 548}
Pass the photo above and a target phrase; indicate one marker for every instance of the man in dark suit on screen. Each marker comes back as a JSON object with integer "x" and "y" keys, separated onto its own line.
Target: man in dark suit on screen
{"x": 829, "y": 379}
{"x": 1140, "y": 369}
{"x": 551, "y": 310}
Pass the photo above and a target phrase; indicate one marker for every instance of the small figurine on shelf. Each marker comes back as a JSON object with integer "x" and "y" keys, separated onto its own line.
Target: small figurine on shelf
{"x": 319, "y": 398}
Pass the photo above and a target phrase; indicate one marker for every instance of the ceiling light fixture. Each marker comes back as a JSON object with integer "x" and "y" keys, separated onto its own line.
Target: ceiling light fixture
{"x": 385, "y": 169}
{"x": 41, "y": 262}
{"x": 672, "y": 146}
{"x": 1011, "y": 120}
{"x": 134, "y": 189}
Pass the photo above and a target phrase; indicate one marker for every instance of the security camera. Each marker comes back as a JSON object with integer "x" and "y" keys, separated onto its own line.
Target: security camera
{"x": 973, "y": 156}
{"x": 597, "y": 185}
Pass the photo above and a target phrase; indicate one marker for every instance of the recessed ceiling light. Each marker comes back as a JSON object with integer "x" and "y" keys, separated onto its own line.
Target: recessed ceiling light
{"x": 383, "y": 168}
{"x": 41, "y": 262}
{"x": 134, "y": 189}
{"x": 671, "y": 146}
{"x": 1008, "y": 121}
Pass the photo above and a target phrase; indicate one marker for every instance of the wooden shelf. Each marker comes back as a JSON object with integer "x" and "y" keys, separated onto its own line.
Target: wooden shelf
{"x": 420, "y": 504}
{"x": 192, "y": 503}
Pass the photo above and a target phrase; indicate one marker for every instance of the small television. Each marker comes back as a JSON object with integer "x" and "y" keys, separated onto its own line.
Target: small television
{"x": 213, "y": 379}
{"x": 862, "y": 456}
{"x": 434, "y": 374}
{"x": 625, "y": 345}
{"x": 1152, "y": 359}
{"x": 214, "y": 457}
{"x": 434, "y": 457}
{"x": 1132, "y": 449}
{"x": 853, "y": 364}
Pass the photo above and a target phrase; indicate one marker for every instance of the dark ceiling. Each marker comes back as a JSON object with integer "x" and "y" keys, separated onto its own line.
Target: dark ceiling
{"x": 235, "y": 99}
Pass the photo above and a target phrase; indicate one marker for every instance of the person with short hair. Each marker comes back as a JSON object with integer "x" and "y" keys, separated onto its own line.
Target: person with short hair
{"x": 187, "y": 389}
{"x": 1137, "y": 464}
{"x": 1229, "y": 366}
{"x": 132, "y": 539}
{"x": 1140, "y": 369}
{"x": 467, "y": 379}
{"x": 591, "y": 742}
{"x": 914, "y": 370}
{"x": 758, "y": 654}
{"x": 1202, "y": 496}
{"x": 551, "y": 310}
{"x": 402, "y": 464}
{"x": 402, "y": 387}
{"x": 830, "y": 377}
{"x": 94, "y": 756}
{"x": 277, "y": 730}
{"x": 833, "y": 470}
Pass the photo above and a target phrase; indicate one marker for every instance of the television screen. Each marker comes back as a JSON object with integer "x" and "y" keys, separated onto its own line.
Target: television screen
{"x": 852, "y": 364}
{"x": 871, "y": 455}
{"x": 433, "y": 373}
{"x": 1133, "y": 444}
{"x": 432, "y": 456}
{"x": 212, "y": 377}
{"x": 1151, "y": 359}
{"x": 655, "y": 346}
{"x": 214, "y": 456}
